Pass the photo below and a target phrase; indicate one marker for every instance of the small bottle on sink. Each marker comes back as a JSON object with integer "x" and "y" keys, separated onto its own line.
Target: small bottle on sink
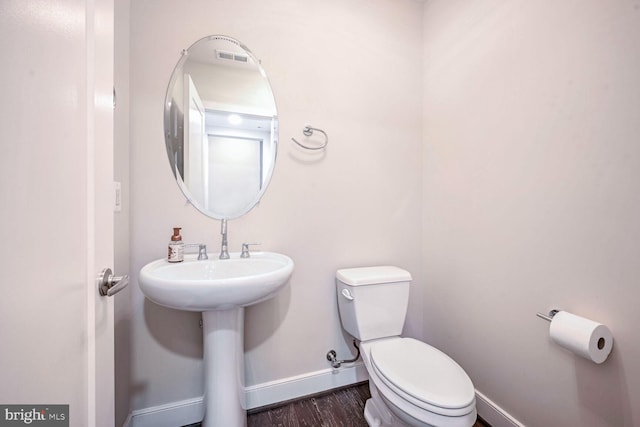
{"x": 176, "y": 247}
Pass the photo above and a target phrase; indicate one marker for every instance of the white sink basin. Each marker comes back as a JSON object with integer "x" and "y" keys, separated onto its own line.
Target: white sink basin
{"x": 215, "y": 284}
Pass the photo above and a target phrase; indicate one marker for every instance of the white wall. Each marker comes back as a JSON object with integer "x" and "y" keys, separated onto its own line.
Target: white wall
{"x": 230, "y": 84}
{"x": 122, "y": 168}
{"x": 352, "y": 68}
{"x": 532, "y": 198}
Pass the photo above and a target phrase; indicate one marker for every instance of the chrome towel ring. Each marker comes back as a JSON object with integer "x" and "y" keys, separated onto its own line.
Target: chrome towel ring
{"x": 308, "y": 131}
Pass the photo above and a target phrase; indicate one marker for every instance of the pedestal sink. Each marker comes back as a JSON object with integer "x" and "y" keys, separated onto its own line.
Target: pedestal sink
{"x": 220, "y": 289}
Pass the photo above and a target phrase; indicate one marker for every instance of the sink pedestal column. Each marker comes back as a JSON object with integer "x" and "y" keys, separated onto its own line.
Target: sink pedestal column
{"x": 224, "y": 402}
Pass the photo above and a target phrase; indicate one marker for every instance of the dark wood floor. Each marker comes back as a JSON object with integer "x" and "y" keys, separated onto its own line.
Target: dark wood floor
{"x": 342, "y": 407}
{"x": 338, "y": 408}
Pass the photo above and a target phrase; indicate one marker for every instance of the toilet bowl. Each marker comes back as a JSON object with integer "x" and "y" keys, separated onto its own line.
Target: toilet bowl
{"x": 419, "y": 384}
{"x": 411, "y": 382}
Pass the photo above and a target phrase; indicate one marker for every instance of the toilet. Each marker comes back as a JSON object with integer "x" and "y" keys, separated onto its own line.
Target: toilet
{"x": 411, "y": 382}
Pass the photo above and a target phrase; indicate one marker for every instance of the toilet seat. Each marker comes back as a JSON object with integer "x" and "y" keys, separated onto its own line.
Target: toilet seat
{"x": 424, "y": 376}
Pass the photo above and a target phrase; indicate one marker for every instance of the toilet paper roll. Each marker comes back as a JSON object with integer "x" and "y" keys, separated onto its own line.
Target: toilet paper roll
{"x": 584, "y": 337}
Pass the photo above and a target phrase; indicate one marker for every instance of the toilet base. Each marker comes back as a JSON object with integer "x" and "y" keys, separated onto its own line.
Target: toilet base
{"x": 377, "y": 414}
{"x": 380, "y": 413}
{"x": 374, "y": 416}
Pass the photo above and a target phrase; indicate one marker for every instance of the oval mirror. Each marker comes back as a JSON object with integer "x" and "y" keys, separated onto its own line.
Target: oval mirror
{"x": 221, "y": 127}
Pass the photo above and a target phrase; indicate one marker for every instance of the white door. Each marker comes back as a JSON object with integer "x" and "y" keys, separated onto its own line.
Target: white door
{"x": 235, "y": 172}
{"x": 195, "y": 148}
{"x": 100, "y": 104}
{"x": 56, "y": 191}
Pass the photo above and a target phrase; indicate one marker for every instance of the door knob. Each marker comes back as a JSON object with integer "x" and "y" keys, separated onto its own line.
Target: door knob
{"x": 109, "y": 285}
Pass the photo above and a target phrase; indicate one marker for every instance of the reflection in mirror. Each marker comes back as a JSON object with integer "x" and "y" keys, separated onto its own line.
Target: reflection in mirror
{"x": 221, "y": 127}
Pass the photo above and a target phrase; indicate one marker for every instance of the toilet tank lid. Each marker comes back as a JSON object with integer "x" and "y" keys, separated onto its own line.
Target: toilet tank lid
{"x": 372, "y": 275}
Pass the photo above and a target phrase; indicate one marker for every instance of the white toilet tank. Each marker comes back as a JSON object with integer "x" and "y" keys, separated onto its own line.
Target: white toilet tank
{"x": 373, "y": 300}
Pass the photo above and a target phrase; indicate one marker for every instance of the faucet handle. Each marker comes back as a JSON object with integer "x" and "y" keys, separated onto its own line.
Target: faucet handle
{"x": 245, "y": 249}
{"x": 202, "y": 252}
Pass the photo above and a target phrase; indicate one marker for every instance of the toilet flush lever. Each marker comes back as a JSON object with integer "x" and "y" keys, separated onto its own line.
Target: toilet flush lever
{"x": 345, "y": 293}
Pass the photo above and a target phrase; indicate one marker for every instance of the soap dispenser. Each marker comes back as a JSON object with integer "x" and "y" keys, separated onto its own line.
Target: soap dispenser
{"x": 176, "y": 247}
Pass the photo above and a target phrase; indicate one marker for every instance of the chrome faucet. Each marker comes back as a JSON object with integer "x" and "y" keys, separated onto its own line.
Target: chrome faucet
{"x": 224, "y": 252}
{"x": 202, "y": 250}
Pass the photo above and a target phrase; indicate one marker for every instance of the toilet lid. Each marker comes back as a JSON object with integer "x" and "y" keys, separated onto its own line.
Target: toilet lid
{"x": 423, "y": 372}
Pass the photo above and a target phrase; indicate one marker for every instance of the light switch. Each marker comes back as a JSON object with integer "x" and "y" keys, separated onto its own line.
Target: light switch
{"x": 117, "y": 190}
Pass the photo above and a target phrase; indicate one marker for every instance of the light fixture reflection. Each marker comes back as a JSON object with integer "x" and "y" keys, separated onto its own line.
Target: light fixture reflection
{"x": 234, "y": 119}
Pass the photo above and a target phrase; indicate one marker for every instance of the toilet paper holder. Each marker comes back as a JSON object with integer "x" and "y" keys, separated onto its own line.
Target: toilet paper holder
{"x": 549, "y": 317}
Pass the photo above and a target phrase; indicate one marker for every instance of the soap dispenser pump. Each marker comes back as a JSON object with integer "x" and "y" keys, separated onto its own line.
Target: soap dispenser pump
{"x": 176, "y": 247}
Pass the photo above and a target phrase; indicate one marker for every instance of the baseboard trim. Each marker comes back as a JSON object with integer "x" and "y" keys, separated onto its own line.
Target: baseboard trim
{"x": 127, "y": 421}
{"x": 494, "y": 414}
{"x": 192, "y": 410}
{"x": 268, "y": 393}
{"x": 172, "y": 414}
